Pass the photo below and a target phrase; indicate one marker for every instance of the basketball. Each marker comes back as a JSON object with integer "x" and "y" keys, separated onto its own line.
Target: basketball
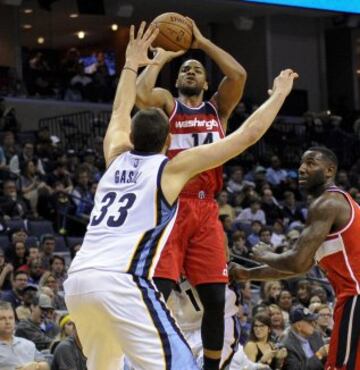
{"x": 175, "y": 32}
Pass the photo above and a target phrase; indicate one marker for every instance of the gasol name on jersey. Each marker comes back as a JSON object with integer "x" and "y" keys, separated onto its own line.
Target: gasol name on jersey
{"x": 126, "y": 176}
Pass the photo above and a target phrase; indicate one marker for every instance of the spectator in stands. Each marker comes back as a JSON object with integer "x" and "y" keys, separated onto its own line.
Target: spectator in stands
{"x": 34, "y": 253}
{"x": 40, "y": 328}
{"x": 324, "y": 321}
{"x": 278, "y": 237}
{"x": 342, "y": 180}
{"x": 253, "y": 237}
{"x": 35, "y": 271}
{"x": 44, "y": 147}
{"x": 23, "y": 312}
{"x": 224, "y": 207}
{"x": 4, "y": 168}
{"x": 271, "y": 207}
{"x": 285, "y": 302}
{"x": 239, "y": 248}
{"x": 275, "y": 175}
{"x": 80, "y": 86}
{"x": 89, "y": 163}
{"x": 277, "y": 321}
{"x": 82, "y": 195}
{"x": 31, "y": 185}
{"x": 319, "y": 291}
{"x": 237, "y": 183}
{"x": 12, "y": 204}
{"x": 306, "y": 349}
{"x": 9, "y": 147}
{"x": 271, "y": 289}
{"x": 27, "y": 154}
{"x": 67, "y": 328}
{"x": 57, "y": 268}
{"x": 47, "y": 248}
{"x": 39, "y": 76}
{"x": 265, "y": 235}
{"x": 291, "y": 237}
{"x": 19, "y": 255}
{"x": 6, "y": 270}
{"x": 49, "y": 280}
{"x": 305, "y": 208}
{"x": 16, "y": 352}
{"x": 61, "y": 174}
{"x": 69, "y": 66}
{"x": 260, "y": 348}
{"x": 303, "y": 292}
{"x": 68, "y": 354}
{"x": 15, "y": 295}
{"x": 253, "y": 213}
{"x": 291, "y": 211}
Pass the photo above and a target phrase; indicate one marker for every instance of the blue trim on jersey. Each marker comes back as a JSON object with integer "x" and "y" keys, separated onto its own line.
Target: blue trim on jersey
{"x": 178, "y": 355}
{"x": 161, "y": 194}
{"x": 144, "y": 154}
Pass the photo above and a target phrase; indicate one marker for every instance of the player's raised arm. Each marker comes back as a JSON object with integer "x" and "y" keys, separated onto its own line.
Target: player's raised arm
{"x": 190, "y": 162}
{"x": 147, "y": 95}
{"x": 117, "y": 139}
{"x": 232, "y": 85}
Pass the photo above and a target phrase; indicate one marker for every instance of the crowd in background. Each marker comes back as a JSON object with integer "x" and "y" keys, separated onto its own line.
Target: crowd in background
{"x": 44, "y": 182}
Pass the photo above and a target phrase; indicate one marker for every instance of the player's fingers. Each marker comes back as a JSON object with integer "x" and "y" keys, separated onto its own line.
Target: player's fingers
{"x": 270, "y": 92}
{"x": 178, "y": 53}
{"x": 141, "y": 30}
{"x": 132, "y": 32}
{"x": 153, "y": 35}
{"x": 150, "y": 30}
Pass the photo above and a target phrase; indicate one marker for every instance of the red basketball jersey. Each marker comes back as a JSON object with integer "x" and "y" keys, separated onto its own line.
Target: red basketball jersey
{"x": 339, "y": 255}
{"x": 192, "y": 127}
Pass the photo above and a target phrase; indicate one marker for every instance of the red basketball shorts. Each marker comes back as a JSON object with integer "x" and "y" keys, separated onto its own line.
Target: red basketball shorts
{"x": 196, "y": 246}
{"x": 344, "y": 351}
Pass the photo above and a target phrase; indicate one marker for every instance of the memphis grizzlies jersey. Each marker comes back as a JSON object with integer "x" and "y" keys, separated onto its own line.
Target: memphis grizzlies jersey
{"x": 185, "y": 305}
{"x": 131, "y": 220}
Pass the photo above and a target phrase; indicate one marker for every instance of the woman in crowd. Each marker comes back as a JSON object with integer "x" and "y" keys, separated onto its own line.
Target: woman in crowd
{"x": 66, "y": 330}
{"x": 277, "y": 321}
{"x": 260, "y": 348}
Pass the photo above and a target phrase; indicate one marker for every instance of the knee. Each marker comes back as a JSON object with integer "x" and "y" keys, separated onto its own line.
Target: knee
{"x": 212, "y": 297}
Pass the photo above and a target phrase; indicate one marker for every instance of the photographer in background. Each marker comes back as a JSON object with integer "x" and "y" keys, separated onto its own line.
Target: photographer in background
{"x": 305, "y": 347}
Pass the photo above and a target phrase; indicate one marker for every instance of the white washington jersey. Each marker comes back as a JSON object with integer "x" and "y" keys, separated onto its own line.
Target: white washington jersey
{"x": 131, "y": 220}
{"x": 185, "y": 305}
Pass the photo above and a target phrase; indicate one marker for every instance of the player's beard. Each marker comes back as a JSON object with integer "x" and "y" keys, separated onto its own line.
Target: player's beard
{"x": 190, "y": 90}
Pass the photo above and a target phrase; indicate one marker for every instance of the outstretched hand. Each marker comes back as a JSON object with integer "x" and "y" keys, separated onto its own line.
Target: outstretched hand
{"x": 284, "y": 82}
{"x": 260, "y": 251}
{"x": 138, "y": 46}
{"x": 166, "y": 55}
{"x": 238, "y": 273}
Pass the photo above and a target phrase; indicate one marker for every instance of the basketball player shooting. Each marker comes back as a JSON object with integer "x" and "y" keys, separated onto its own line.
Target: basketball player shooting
{"x": 109, "y": 291}
{"x": 331, "y": 239}
{"x": 196, "y": 245}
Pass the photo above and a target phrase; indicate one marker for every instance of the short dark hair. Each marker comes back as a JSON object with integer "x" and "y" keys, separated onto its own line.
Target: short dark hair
{"x": 149, "y": 130}
{"x": 326, "y": 153}
{"x": 56, "y": 257}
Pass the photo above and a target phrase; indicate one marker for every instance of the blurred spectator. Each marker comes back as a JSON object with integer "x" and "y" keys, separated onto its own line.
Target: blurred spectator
{"x": 239, "y": 248}
{"x": 324, "y": 321}
{"x": 19, "y": 255}
{"x": 272, "y": 289}
{"x": 39, "y": 76}
{"x": 18, "y": 160}
{"x": 67, "y": 328}
{"x": 43, "y": 145}
{"x": 278, "y": 237}
{"x": 9, "y": 147}
{"x": 90, "y": 164}
{"x": 57, "y": 268}
{"x": 34, "y": 253}
{"x": 271, "y": 207}
{"x": 305, "y": 208}
{"x": 277, "y": 321}
{"x": 306, "y": 349}
{"x": 40, "y": 328}
{"x": 265, "y": 235}
{"x": 275, "y": 175}
{"x": 319, "y": 291}
{"x": 47, "y": 248}
{"x": 12, "y": 204}
{"x": 303, "y": 292}
{"x": 80, "y": 87}
{"x": 16, "y": 352}
{"x": 70, "y": 65}
{"x": 23, "y": 312}
{"x": 82, "y": 195}
{"x": 15, "y": 295}
{"x": 342, "y": 180}
{"x": 31, "y": 185}
{"x": 237, "y": 183}
{"x": 253, "y": 238}
{"x": 35, "y": 271}
{"x": 6, "y": 270}
{"x": 285, "y": 301}
{"x": 253, "y": 213}
{"x": 260, "y": 348}
{"x": 61, "y": 174}
{"x": 49, "y": 280}
{"x": 68, "y": 354}
{"x": 292, "y": 212}
{"x": 224, "y": 207}
{"x": 292, "y": 236}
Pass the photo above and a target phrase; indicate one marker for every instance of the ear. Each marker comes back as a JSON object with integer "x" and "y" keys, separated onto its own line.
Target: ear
{"x": 177, "y": 83}
{"x": 206, "y": 86}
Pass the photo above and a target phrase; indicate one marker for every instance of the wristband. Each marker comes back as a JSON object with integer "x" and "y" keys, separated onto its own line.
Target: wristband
{"x": 131, "y": 69}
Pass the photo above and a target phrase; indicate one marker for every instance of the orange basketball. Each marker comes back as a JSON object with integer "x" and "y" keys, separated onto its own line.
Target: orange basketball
{"x": 175, "y": 32}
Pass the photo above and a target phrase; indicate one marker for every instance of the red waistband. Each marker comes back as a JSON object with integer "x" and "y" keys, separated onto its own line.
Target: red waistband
{"x": 201, "y": 194}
